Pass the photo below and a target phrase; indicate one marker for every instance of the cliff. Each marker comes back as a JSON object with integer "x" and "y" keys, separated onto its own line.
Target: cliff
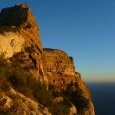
{"x": 36, "y": 80}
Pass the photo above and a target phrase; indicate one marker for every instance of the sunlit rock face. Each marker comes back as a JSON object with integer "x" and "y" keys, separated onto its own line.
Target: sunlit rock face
{"x": 19, "y": 19}
{"x": 11, "y": 43}
{"x": 33, "y": 80}
{"x": 61, "y": 73}
{"x": 59, "y": 67}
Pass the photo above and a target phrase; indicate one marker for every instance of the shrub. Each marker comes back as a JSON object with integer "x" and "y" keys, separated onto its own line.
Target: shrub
{"x": 44, "y": 96}
{"x": 4, "y": 66}
{"x": 60, "y": 109}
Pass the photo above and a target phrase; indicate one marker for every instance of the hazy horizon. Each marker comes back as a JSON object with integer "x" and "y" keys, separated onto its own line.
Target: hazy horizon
{"x": 83, "y": 29}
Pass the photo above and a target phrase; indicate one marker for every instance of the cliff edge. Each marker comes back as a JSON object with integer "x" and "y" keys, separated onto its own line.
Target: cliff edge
{"x": 36, "y": 80}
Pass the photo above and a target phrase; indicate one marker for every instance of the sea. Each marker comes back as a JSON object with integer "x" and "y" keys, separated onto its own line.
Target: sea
{"x": 103, "y": 96}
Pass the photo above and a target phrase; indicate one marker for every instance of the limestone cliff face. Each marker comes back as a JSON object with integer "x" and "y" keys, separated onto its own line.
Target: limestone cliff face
{"x": 33, "y": 80}
{"x": 20, "y": 39}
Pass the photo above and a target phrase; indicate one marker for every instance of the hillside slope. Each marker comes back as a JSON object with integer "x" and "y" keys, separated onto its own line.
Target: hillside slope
{"x": 36, "y": 80}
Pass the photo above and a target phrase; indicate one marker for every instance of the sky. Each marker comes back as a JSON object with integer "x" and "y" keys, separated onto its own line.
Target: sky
{"x": 85, "y": 29}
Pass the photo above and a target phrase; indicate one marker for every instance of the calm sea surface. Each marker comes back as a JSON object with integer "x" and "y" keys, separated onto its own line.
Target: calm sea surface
{"x": 103, "y": 96}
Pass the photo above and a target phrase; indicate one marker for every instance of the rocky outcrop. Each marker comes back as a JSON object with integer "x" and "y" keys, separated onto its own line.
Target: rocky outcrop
{"x": 59, "y": 67}
{"x": 33, "y": 80}
{"x": 20, "y": 39}
{"x": 60, "y": 70}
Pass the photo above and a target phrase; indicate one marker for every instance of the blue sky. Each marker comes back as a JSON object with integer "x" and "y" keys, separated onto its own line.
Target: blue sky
{"x": 85, "y": 29}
